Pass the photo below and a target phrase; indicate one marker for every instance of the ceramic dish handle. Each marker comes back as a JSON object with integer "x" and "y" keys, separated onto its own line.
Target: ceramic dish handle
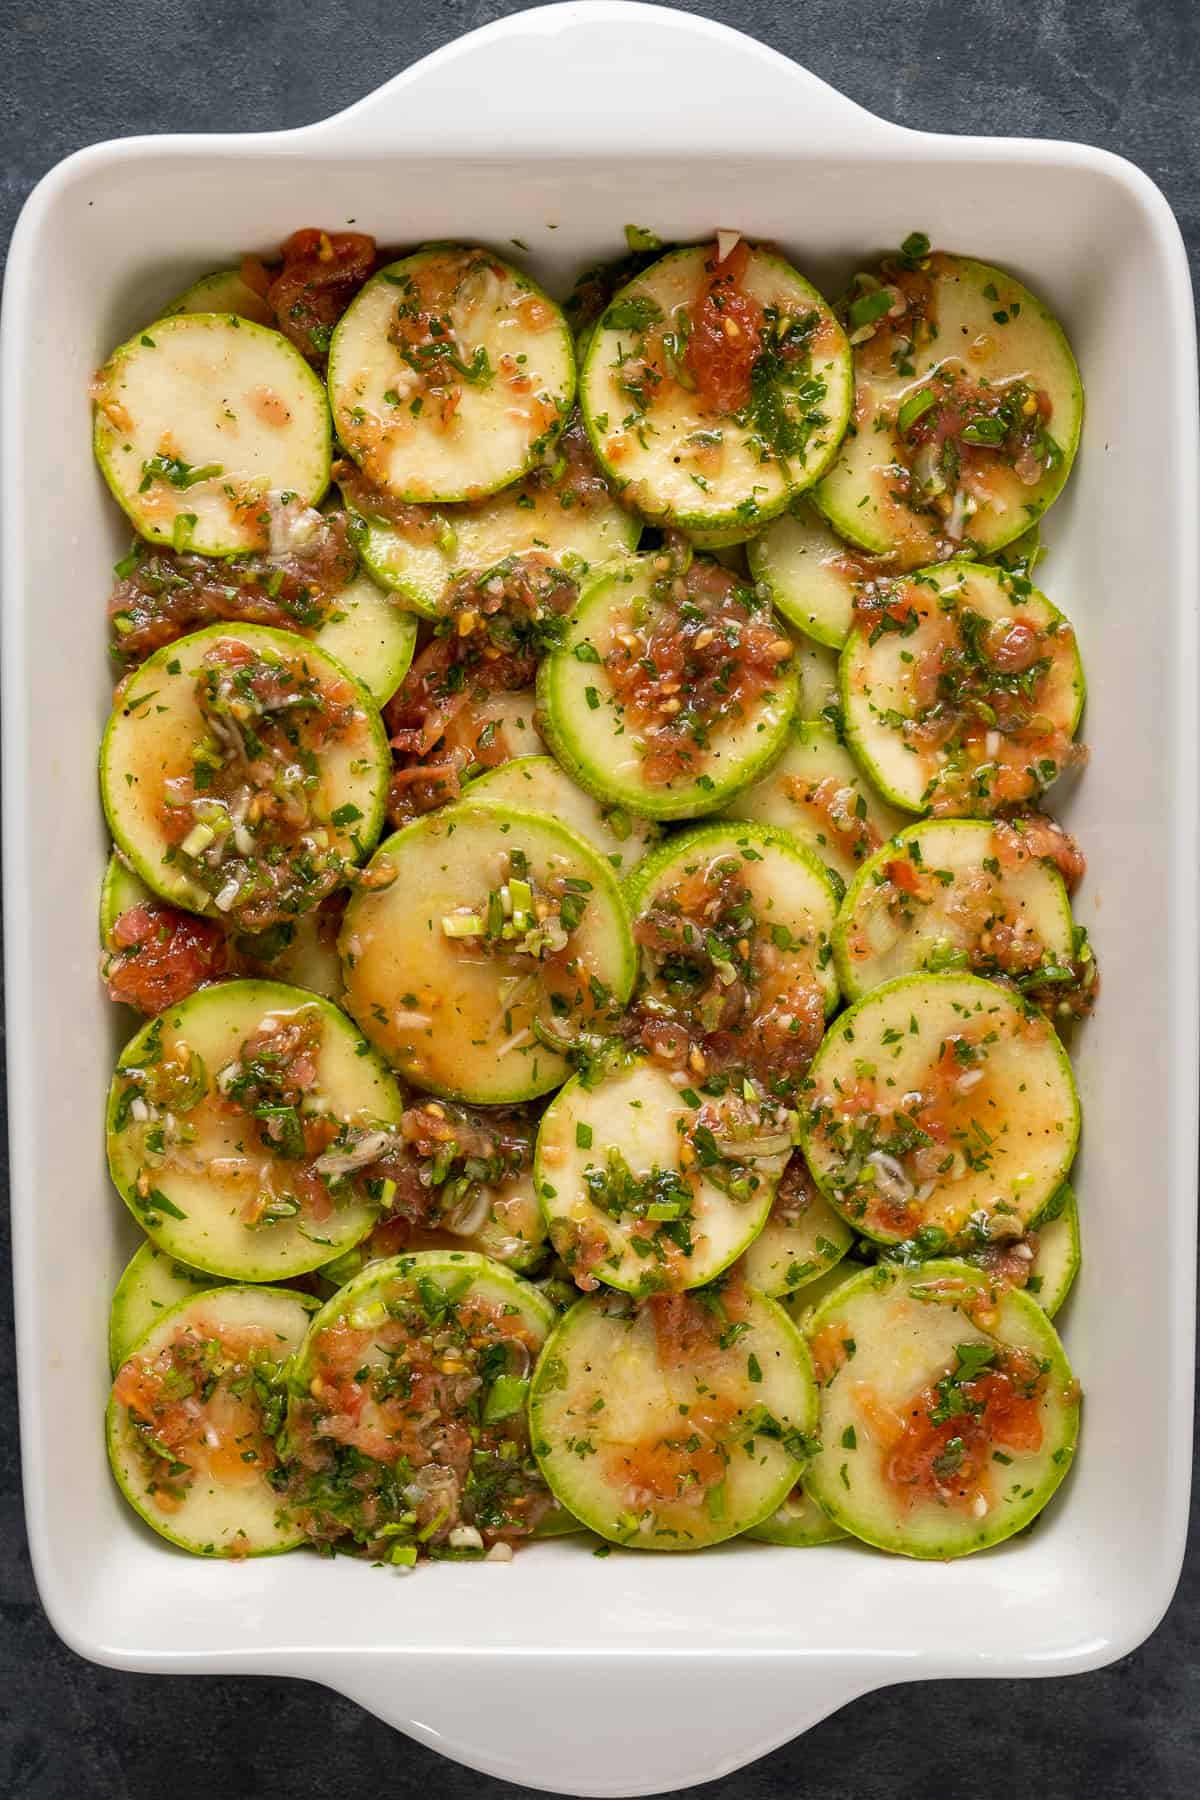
{"x": 596, "y": 1725}
{"x": 515, "y": 86}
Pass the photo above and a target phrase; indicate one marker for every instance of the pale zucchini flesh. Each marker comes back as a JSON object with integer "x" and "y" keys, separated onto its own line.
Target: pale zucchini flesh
{"x": 935, "y": 1100}
{"x": 799, "y": 1523}
{"x": 151, "y": 1285}
{"x": 197, "y": 1199}
{"x": 371, "y": 635}
{"x": 223, "y": 292}
{"x": 626, "y": 1197}
{"x": 227, "y": 1507}
{"x": 664, "y": 1443}
{"x": 802, "y": 1240}
{"x": 680, "y": 463}
{"x": 817, "y": 793}
{"x": 938, "y": 897}
{"x": 474, "y": 402}
{"x": 810, "y": 573}
{"x": 537, "y": 784}
{"x": 820, "y": 690}
{"x": 459, "y": 1015}
{"x": 202, "y": 424}
{"x": 1045, "y": 1261}
{"x": 584, "y": 720}
{"x": 974, "y": 771}
{"x": 882, "y": 1344}
{"x": 993, "y": 331}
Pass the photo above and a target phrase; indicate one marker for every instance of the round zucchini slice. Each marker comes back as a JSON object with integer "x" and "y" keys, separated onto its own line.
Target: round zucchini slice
{"x": 668, "y": 693}
{"x": 499, "y": 935}
{"x": 965, "y": 693}
{"x": 407, "y": 1421}
{"x": 802, "y": 1240}
{"x": 811, "y": 575}
{"x": 371, "y": 636}
{"x": 1044, "y": 1262}
{"x": 953, "y": 894}
{"x": 239, "y": 1127}
{"x": 120, "y": 890}
{"x": 650, "y": 1187}
{"x": 937, "y": 1100}
{"x": 702, "y": 426}
{"x": 450, "y": 374}
{"x": 193, "y": 1418}
{"x": 734, "y": 922}
{"x": 818, "y": 794}
{"x": 674, "y": 1424}
{"x": 949, "y": 1412}
{"x": 151, "y": 1285}
{"x": 967, "y": 410}
{"x": 799, "y": 1522}
{"x": 203, "y": 422}
{"x": 564, "y": 509}
{"x": 537, "y": 784}
{"x": 223, "y": 292}
{"x": 244, "y": 772}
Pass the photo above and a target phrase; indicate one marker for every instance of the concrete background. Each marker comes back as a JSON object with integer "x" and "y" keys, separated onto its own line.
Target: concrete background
{"x": 1121, "y": 73}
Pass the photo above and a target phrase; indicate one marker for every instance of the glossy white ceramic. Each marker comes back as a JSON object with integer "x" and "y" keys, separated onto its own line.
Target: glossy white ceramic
{"x": 634, "y": 1673}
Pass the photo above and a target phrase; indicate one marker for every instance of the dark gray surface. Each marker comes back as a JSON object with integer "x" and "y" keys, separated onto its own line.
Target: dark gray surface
{"x": 1121, "y": 73}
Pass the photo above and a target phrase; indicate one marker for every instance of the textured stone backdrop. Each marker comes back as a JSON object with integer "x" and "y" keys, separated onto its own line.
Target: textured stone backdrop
{"x": 1121, "y": 73}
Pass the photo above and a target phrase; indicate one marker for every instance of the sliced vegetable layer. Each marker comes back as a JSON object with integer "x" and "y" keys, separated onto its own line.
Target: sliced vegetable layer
{"x": 949, "y": 1412}
{"x": 206, "y": 423}
{"x": 672, "y": 688}
{"x": 492, "y": 938}
{"x": 799, "y": 1522}
{"x": 650, "y": 1187}
{"x": 716, "y": 384}
{"x": 193, "y": 1420}
{"x": 1044, "y": 1262}
{"x": 244, "y": 773}
{"x": 802, "y": 1239}
{"x": 673, "y": 1424}
{"x": 937, "y": 1100}
{"x": 450, "y": 375}
{"x": 537, "y": 784}
{"x": 151, "y": 1285}
{"x": 967, "y": 409}
{"x": 406, "y": 1429}
{"x": 813, "y": 576}
{"x": 247, "y": 1129}
{"x": 962, "y": 690}
{"x": 223, "y": 292}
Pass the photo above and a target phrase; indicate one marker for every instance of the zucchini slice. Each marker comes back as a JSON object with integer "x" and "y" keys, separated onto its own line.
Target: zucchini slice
{"x": 677, "y": 743}
{"x": 820, "y": 689}
{"x": 236, "y": 1126}
{"x": 949, "y": 1412}
{"x": 949, "y": 894}
{"x": 537, "y": 784}
{"x": 450, "y": 374}
{"x": 967, "y": 410}
{"x": 408, "y": 1411}
{"x": 937, "y": 1100}
{"x": 223, "y": 292}
{"x": 203, "y": 775}
{"x": 704, "y": 427}
{"x": 371, "y": 636}
{"x": 966, "y": 692}
{"x": 734, "y": 924}
{"x": 799, "y": 1522}
{"x": 120, "y": 890}
{"x": 202, "y": 424}
{"x": 1045, "y": 1261}
{"x": 818, "y": 793}
{"x": 193, "y": 1416}
{"x": 672, "y": 1425}
{"x": 500, "y": 934}
{"x": 649, "y": 1187}
{"x": 810, "y": 574}
{"x": 151, "y": 1285}
{"x": 802, "y": 1240}
{"x": 564, "y": 509}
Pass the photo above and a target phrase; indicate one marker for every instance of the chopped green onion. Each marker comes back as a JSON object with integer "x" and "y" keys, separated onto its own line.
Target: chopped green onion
{"x": 915, "y": 407}
{"x": 869, "y": 307}
{"x": 463, "y": 925}
{"x": 640, "y": 237}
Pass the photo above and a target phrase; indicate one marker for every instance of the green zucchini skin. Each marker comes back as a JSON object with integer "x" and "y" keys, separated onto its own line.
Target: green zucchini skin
{"x": 174, "y": 383}
{"x": 217, "y": 1517}
{"x": 664, "y": 467}
{"x": 1012, "y": 336}
{"x": 373, "y": 637}
{"x": 508, "y": 414}
{"x": 927, "y": 1314}
{"x": 797, "y": 1246}
{"x": 799, "y": 1523}
{"x": 953, "y": 864}
{"x": 151, "y": 1285}
{"x": 1024, "y": 1076}
{"x": 182, "y": 1208}
{"x": 597, "y": 1459}
{"x": 878, "y": 695}
{"x": 1056, "y": 1262}
{"x": 156, "y": 724}
{"x": 582, "y": 720}
{"x": 403, "y": 972}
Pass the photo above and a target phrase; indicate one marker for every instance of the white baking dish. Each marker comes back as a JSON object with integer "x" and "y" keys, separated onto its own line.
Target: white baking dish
{"x": 632, "y": 1674}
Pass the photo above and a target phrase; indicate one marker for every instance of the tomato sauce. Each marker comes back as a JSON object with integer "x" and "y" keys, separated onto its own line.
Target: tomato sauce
{"x": 161, "y": 955}
{"x": 952, "y": 1429}
{"x": 322, "y": 271}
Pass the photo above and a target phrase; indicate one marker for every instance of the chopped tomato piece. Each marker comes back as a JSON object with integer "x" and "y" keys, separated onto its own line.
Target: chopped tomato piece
{"x": 162, "y": 955}
{"x": 726, "y": 334}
